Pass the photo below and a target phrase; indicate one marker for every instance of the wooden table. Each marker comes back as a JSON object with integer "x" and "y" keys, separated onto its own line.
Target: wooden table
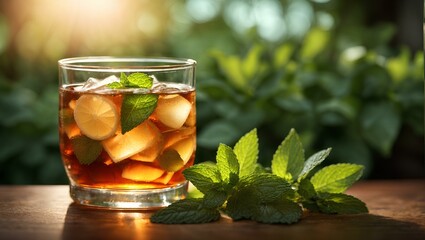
{"x": 397, "y": 211}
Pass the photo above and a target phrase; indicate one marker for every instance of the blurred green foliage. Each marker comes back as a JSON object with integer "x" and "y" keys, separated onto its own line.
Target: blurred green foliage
{"x": 357, "y": 106}
{"x": 28, "y": 135}
{"x": 269, "y": 64}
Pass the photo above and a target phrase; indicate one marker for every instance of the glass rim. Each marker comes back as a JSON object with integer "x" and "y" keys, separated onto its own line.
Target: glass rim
{"x": 160, "y": 64}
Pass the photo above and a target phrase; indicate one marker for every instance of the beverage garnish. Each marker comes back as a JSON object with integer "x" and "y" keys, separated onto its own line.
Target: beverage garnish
{"x": 135, "y": 108}
{"x": 238, "y": 186}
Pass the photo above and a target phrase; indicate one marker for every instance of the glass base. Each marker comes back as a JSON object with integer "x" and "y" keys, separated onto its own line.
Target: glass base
{"x": 128, "y": 199}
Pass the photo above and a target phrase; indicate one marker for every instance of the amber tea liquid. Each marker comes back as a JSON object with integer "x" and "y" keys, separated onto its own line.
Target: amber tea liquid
{"x": 150, "y": 156}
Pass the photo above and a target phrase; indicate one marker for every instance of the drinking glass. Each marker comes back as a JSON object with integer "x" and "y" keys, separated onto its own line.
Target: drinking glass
{"x": 127, "y": 129}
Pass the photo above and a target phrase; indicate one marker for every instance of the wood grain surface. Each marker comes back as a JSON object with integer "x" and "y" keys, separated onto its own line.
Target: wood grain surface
{"x": 397, "y": 211}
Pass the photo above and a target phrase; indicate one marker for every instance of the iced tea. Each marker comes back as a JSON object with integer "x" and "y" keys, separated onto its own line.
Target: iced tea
{"x": 127, "y": 129}
{"x": 97, "y": 153}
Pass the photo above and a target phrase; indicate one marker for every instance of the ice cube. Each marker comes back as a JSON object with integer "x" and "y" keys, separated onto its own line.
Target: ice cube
{"x": 68, "y": 123}
{"x": 72, "y": 130}
{"x": 165, "y": 178}
{"x": 98, "y": 84}
{"x": 152, "y": 152}
{"x": 173, "y": 110}
{"x": 167, "y": 87}
{"x": 155, "y": 80}
{"x": 185, "y": 148}
{"x": 174, "y": 136}
{"x": 120, "y": 147}
{"x": 158, "y": 87}
{"x": 138, "y": 171}
{"x": 191, "y": 119}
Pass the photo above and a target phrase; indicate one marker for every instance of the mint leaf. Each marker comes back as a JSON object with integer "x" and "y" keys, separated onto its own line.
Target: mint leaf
{"x": 214, "y": 199}
{"x": 227, "y": 164}
{"x": 260, "y": 169}
{"x": 204, "y": 177}
{"x": 267, "y": 187}
{"x": 135, "y": 109}
{"x": 66, "y": 116}
{"x": 306, "y": 189}
{"x": 241, "y": 204}
{"x": 253, "y": 190}
{"x": 123, "y": 83}
{"x": 170, "y": 160}
{"x": 339, "y": 203}
{"x": 124, "y": 80}
{"x": 313, "y": 161}
{"x": 246, "y": 151}
{"x": 116, "y": 85}
{"x": 310, "y": 205}
{"x": 288, "y": 160}
{"x": 336, "y": 178}
{"x": 207, "y": 180}
{"x": 308, "y": 195}
{"x": 85, "y": 149}
{"x": 140, "y": 80}
{"x": 284, "y": 211}
{"x": 193, "y": 192}
{"x": 185, "y": 211}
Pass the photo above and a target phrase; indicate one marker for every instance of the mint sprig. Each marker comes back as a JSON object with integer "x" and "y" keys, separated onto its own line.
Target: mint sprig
{"x": 135, "y": 108}
{"x": 241, "y": 188}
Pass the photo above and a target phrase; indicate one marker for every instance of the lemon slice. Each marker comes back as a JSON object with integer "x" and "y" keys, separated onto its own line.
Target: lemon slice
{"x": 96, "y": 116}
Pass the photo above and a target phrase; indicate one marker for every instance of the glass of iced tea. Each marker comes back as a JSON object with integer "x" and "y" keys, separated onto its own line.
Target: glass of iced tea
{"x": 127, "y": 129}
